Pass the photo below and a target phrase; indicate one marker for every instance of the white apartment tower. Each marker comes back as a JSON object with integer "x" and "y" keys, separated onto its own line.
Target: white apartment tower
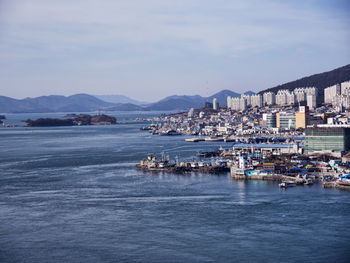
{"x": 238, "y": 104}
{"x": 190, "y": 113}
{"x": 281, "y": 97}
{"x": 311, "y": 101}
{"x": 300, "y": 94}
{"x": 269, "y": 98}
{"x": 345, "y": 86}
{"x": 215, "y": 104}
{"x": 247, "y": 99}
{"x": 256, "y": 100}
{"x": 291, "y": 98}
{"x": 229, "y": 102}
{"x": 331, "y": 92}
{"x": 242, "y": 104}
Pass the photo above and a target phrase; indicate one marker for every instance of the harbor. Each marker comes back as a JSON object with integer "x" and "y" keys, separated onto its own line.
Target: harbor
{"x": 298, "y": 170}
{"x": 282, "y": 162}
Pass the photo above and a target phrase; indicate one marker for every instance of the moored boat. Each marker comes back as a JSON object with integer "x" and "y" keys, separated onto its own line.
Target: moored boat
{"x": 286, "y": 184}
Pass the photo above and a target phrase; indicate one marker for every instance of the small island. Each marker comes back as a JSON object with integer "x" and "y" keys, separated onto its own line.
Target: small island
{"x": 73, "y": 120}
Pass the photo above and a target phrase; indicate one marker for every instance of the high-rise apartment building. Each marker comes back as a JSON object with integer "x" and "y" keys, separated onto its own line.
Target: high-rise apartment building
{"x": 269, "y": 98}
{"x": 256, "y": 100}
{"x": 247, "y": 99}
{"x": 229, "y": 102}
{"x": 215, "y": 104}
{"x": 238, "y": 104}
{"x": 331, "y": 92}
{"x": 311, "y": 101}
{"x": 281, "y": 97}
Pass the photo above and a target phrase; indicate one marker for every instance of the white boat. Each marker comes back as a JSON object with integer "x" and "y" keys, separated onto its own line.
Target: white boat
{"x": 309, "y": 182}
{"x": 194, "y": 139}
{"x": 214, "y": 139}
{"x": 286, "y": 184}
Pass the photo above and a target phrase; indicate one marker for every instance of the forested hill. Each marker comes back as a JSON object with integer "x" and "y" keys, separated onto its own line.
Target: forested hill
{"x": 321, "y": 80}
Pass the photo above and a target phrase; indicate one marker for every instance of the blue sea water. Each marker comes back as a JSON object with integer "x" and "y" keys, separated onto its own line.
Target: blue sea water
{"x": 73, "y": 194}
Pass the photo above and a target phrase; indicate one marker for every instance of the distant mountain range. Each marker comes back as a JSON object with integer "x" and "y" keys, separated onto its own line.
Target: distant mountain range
{"x": 186, "y": 102}
{"x": 320, "y": 81}
{"x": 78, "y": 102}
{"x": 120, "y": 99}
{"x": 88, "y": 103}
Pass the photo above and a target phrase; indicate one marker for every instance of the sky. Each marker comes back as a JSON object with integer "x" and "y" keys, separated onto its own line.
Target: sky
{"x": 151, "y": 49}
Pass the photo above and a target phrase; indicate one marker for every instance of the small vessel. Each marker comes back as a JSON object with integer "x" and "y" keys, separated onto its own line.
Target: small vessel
{"x": 194, "y": 139}
{"x": 286, "y": 184}
{"x": 309, "y": 182}
{"x": 169, "y": 133}
{"x": 146, "y": 128}
{"x": 214, "y": 139}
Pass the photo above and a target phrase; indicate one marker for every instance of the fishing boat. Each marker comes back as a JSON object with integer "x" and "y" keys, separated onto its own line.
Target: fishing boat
{"x": 309, "y": 182}
{"x": 169, "y": 133}
{"x": 286, "y": 184}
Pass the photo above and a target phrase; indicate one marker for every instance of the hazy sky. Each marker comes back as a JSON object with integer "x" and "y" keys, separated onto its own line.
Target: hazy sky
{"x": 149, "y": 49}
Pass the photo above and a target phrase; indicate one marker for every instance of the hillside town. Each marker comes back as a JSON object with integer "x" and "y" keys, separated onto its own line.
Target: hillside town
{"x": 298, "y": 136}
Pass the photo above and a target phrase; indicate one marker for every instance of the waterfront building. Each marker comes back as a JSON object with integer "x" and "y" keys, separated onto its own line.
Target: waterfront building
{"x": 269, "y": 98}
{"x": 215, "y": 104}
{"x": 302, "y": 117}
{"x": 311, "y": 101}
{"x": 256, "y": 100}
{"x": 327, "y": 138}
{"x": 266, "y": 148}
{"x": 331, "y": 92}
{"x": 285, "y": 120}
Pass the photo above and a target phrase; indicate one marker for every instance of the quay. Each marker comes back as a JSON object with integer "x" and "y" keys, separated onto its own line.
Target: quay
{"x": 337, "y": 185}
{"x": 244, "y": 174}
{"x": 151, "y": 164}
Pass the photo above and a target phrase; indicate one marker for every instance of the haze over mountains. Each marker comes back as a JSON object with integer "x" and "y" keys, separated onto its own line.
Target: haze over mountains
{"x": 120, "y": 99}
{"x": 88, "y": 103}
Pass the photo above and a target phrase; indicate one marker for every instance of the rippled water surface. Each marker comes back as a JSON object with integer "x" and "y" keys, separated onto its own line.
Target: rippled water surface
{"x": 72, "y": 194}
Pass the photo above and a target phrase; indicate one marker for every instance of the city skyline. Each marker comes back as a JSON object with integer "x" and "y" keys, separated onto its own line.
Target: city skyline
{"x": 148, "y": 51}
